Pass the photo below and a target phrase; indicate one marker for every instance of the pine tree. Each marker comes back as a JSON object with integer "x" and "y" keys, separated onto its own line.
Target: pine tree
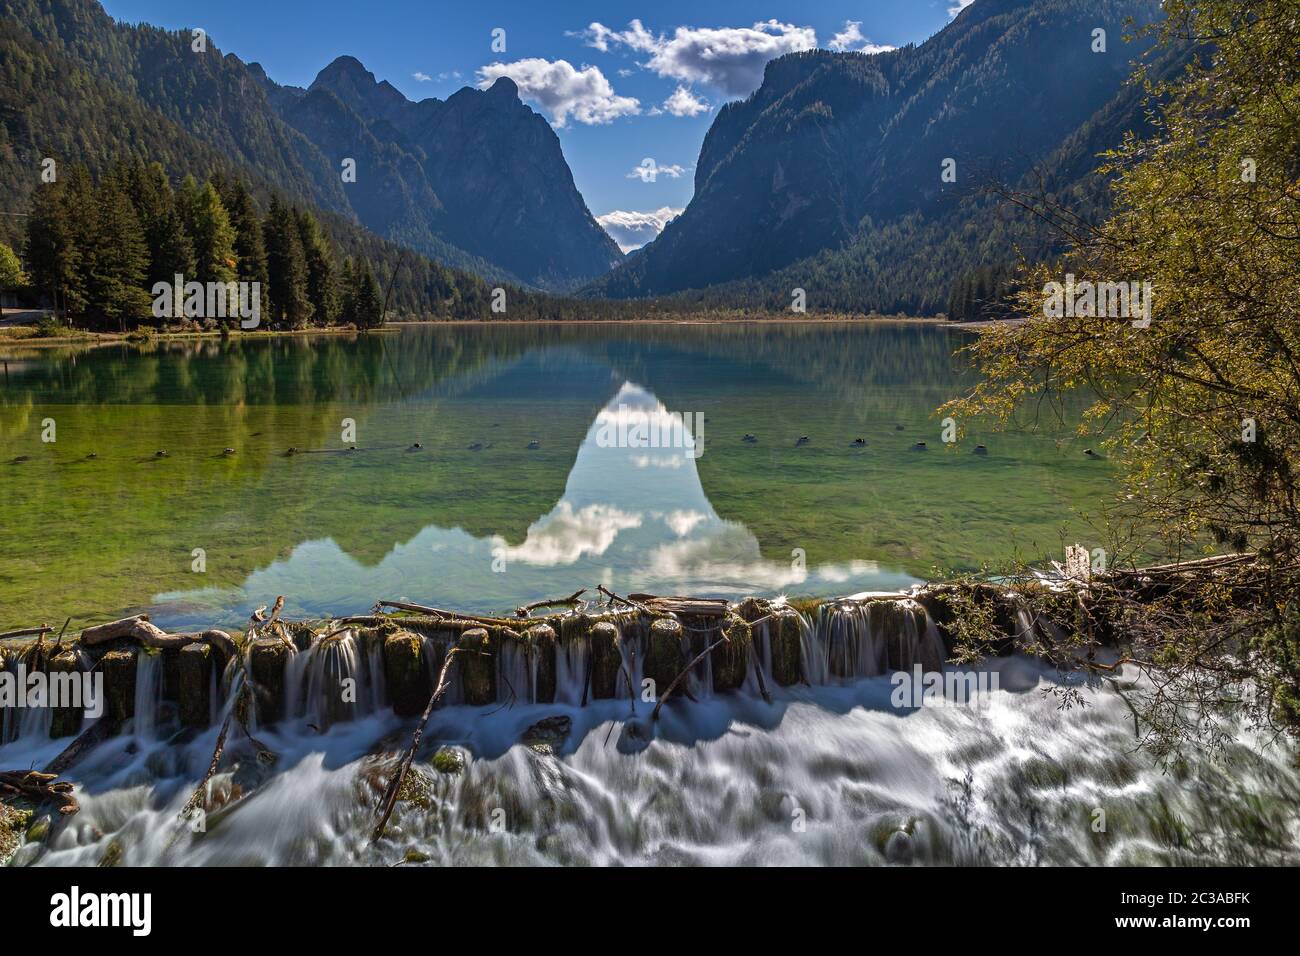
{"x": 250, "y": 246}
{"x": 366, "y": 304}
{"x": 347, "y": 294}
{"x": 213, "y": 238}
{"x": 287, "y": 267}
{"x": 55, "y": 241}
{"x": 117, "y": 258}
{"x": 170, "y": 251}
{"x": 320, "y": 269}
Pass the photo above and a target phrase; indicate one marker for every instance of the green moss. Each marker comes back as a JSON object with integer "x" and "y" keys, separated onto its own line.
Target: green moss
{"x": 113, "y": 853}
{"x": 13, "y": 821}
{"x": 1043, "y": 773}
{"x": 416, "y": 789}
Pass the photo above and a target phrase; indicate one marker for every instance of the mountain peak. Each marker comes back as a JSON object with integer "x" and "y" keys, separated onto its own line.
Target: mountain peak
{"x": 345, "y": 66}
{"x": 504, "y": 87}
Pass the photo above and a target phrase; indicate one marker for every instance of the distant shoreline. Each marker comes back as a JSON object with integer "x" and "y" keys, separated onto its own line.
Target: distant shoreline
{"x": 95, "y": 339}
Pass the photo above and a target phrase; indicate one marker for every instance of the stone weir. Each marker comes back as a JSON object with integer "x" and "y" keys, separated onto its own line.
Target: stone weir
{"x": 339, "y": 669}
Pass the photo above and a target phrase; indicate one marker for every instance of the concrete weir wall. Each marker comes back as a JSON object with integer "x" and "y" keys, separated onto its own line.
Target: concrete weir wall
{"x": 337, "y": 670}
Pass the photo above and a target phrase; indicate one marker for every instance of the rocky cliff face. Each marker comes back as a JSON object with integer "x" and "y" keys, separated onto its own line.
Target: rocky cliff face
{"x": 479, "y": 170}
{"x": 836, "y": 146}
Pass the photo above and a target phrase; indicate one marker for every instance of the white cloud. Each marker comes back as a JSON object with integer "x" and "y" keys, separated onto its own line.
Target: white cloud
{"x": 649, "y": 170}
{"x": 683, "y": 522}
{"x": 958, "y": 7}
{"x": 563, "y": 91}
{"x": 729, "y": 59}
{"x": 851, "y": 38}
{"x": 685, "y": 103}
{"x": 422, "y": 77}
{"x": 450, "y": 75}
{"x": 632, "y": 230}
{"x": 565, "y": 536}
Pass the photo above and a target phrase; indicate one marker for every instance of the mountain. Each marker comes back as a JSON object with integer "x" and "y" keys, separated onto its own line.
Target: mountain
{"x": 477, "y": 182}
{"x": 479, "y": 169}
{"x": 828, "y": 177}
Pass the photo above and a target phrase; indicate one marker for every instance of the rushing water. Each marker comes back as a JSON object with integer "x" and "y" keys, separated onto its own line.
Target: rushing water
{"x": 513, "y": 496}
{"x": 830, "y": 774}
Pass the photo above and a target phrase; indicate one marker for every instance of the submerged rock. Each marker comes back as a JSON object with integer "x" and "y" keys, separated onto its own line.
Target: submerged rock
{"x": 548, "y": 734}
{"x": 898, "y": 848}
{"x": 448, "y": 760}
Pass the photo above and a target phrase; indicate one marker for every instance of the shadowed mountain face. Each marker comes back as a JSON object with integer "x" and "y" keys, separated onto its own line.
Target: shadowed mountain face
{"x": 478, "y": 182}
{"x": 480, "y": 170}
{"x": 841, "y": 148}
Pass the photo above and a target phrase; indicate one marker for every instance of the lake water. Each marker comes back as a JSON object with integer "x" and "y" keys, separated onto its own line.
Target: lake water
{"x": 829, "y": 772}
{"x": 515, "y": 494}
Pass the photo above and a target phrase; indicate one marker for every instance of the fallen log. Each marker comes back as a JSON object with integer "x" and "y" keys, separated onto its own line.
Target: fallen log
{"x": 93, "y": 735}
{"x": 39, "y": 787}
{"x": 698, "y": 607}
{"x": 27, "y": 632}
{"x": 147, "y": 634}
{"x": 573, "y": 600}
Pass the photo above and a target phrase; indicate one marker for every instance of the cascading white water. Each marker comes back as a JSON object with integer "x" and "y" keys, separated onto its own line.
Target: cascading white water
{"x": 329, "y": 682}
{"x": 433, "y": 653}
{"x": 1004, "y": 780}
{"x": 517, "y": 672}
{"x": 148, "y": 694}
{"x": 572, "y": 660}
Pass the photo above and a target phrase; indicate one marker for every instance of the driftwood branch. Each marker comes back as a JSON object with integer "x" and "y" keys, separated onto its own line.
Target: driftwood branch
{"x": 622, "y": 600}
{"x": 140, "y": 630}
{"x": 39, "y": 787}
{"x": 395, "y": 784}
{"x": 573, "y": 600}
{"x": 27, "y": 632}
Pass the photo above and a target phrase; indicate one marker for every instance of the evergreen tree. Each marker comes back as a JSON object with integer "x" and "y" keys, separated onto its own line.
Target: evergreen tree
{"x": 53, "y": 247}
{"x": 347, "y": 294}
{"x": 320, "y": 270}
{"x": 170, "y": 251}
{"x": 250, "y": 247}
{"x": 366, "y": 304}
{"x": 116, "y": 257}
{"x": 213, "y": 237}
{"x": 287, "y": 266}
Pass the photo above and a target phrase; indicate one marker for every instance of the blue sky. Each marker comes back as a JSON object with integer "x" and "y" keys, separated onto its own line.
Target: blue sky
{"x": 643, "y": 84}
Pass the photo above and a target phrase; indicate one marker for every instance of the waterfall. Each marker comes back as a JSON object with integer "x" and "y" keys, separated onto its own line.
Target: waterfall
{"x": 572, "y": 658}
{"x": 760, "y": 659}
{"x": 375, "y": 675}
{"x": 433, "y": 652}
{"x": 517, "y": 672}
{"x": 148, "y": 693}
{"x": 328, "y": 683}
